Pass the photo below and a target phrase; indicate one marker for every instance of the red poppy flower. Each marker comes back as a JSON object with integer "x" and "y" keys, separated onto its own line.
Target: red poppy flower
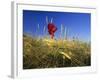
{"x": 52, "y": 29}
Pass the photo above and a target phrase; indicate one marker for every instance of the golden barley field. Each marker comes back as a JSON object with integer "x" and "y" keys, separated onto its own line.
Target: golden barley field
{"x": 51, "y": 53}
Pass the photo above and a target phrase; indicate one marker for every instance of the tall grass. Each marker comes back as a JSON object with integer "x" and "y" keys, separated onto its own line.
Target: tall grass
{"x": 46, "y": 53}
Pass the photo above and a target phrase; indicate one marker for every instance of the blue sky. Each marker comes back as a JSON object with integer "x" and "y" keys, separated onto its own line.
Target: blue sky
{"x": 76, "y": 24}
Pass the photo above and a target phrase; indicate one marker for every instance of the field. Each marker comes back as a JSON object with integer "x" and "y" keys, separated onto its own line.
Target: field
{"x": 51, "y": 53}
